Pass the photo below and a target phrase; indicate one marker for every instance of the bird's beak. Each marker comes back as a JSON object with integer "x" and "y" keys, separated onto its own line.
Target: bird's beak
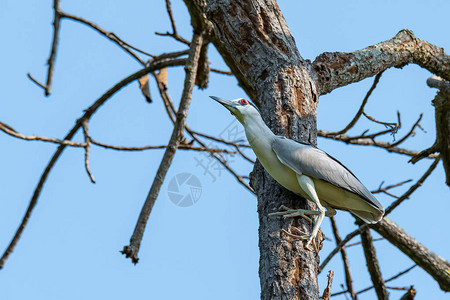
{"x": 225, "y": 103}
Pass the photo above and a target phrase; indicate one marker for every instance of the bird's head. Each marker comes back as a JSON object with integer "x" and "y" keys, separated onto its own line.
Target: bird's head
{"x": 242, "y": 109}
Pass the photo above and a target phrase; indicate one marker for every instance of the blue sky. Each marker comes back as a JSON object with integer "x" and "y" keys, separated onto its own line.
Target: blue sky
{"x": 209, "y": 250}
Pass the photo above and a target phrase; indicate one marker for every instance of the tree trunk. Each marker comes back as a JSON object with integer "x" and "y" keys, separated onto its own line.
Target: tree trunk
{"x": 255, "y": 42}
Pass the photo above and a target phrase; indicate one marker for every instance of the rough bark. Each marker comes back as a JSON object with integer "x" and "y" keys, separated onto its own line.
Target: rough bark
{"x": 336, "y": 69}
{"x": 255, "y": 42}
{"x": 442, "y": 115}
{"x": 433, "y": 264}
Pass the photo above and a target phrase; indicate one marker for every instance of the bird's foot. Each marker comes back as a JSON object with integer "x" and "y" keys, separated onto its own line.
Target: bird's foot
{"x": 287, "y": 212}
{"x": 300, "y": 236}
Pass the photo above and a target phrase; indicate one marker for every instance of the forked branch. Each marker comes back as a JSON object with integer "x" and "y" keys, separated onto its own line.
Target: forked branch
{"x": 87, "y": 115}
{"x": 131, "y": 251}
{"x": 336, "y": 69}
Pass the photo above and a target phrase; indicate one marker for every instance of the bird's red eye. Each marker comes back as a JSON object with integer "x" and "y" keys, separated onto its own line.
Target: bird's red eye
{"x": 244, "y": 102}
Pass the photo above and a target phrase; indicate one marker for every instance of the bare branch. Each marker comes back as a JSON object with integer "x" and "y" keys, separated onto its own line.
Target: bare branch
{"x": 180, "y": 147}
{"x": 411, "y": 132}
{"x": 172, "y": 19}
{"x": 10, "y": 131}
{"x": 244, "y": 156}
{"x": 359, "y": 243}
{"x": 333, "y": 70}
{"x": 51, "y": 60}
{"x": 327, "y": 292}
{"x": 110, "y": 35}
{"x": 361, "y": 109}
{"x": 433, "y": 264}
{"x": 393, "y": 127}
{"x": 235, "y": 144}
{"x": 131, "y": 251}
{"x": 174, "y": 33}
{"x": 382, "y": 189}
{"x": 339, "y": 247}
{"x": 369, "y": 142}
{"x": 439, "y": 83}
{"x": 372, "y": 264}
{"x": 221, "y": 72}
{"x": 202, "y": 78}
{"x": 410, "y": 294}
{"x": 87, "y": 141}
{"x": 87, "y": 115}
{"x": 348, "y": 275}
{"x": 174, "y": 54}
{"x": 442, "y": 116}
{"x": 386, "y": 281}
{"x": 412, "y": 188}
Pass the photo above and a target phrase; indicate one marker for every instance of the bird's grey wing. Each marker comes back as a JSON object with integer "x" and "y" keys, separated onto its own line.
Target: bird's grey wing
{"x": 311, "y": 161}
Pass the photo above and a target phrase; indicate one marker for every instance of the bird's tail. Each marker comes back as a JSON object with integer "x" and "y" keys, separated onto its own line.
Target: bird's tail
{"x": 368, "y": 217}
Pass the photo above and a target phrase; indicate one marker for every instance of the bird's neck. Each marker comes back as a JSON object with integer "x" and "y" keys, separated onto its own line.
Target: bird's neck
{"x": 258, "y": 133}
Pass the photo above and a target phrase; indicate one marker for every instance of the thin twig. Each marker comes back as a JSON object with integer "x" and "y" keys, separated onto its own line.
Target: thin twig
{"x": 181, "y": 147}
{"x": 244, "y": 156}
{"x": 87, "y": 141}
{"x": 174, "y": 54}
{"x": 221, "y": 72}
{"x": 51, "y": 60}
{"x": 361, "y": 108}
{"x": 339, "y": 247}
{"x": 382, "y": 189}
{"x": 221, "y": 140}
{"x": 385, "y": 190}
{"x": 386, "y": 281}
{"x": 111, "y": 36}
{"x": 131, "y": 251}
{"x": 359, "y": 243}
{"x": 327, "y": 292}
{"x": 369, "y": 142}
{"x": 348, "y": 275}
{"x": 87, "y": 114}
{"x": 412, "y": 188}
{"x": 172, "y": 19}
{"x": 393, "y": 127}
{"x": 10, "y": 131}
{"x": 396, "y": 288}
{"x": 411, "y": 132}
{"x": 174, "y": 33}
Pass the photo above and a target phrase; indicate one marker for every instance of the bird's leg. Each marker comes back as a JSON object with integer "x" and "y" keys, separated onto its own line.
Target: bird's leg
{"x": 331, "y": 212}
{"x": 291, "y": 212}
{"x": 307, "y": 185}
{"x": 287, "y": 212}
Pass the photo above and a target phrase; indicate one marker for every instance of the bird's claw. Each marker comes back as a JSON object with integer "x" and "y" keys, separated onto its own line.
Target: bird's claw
{"x": 287, "y": 212}
{"x": 308, "y": 237}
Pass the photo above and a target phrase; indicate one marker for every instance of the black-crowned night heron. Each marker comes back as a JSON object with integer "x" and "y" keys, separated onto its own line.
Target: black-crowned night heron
{"x": 305, "y": 170}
